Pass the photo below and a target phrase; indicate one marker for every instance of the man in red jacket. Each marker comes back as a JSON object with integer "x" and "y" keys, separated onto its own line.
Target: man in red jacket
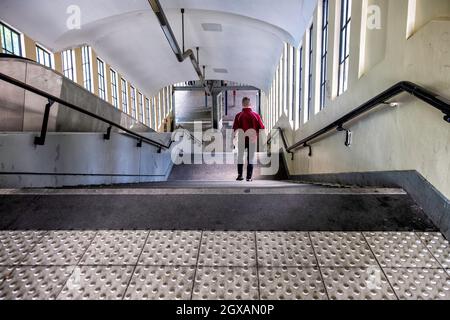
{"x": 249, "y": 124}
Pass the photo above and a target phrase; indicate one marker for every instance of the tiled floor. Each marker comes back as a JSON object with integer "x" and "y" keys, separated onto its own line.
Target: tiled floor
{"x": 223, "y": 265}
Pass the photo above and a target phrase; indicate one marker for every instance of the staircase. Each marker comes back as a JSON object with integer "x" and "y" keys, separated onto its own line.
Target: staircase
{"x": 225, "y": 169}
{"x": 212, "y": 205}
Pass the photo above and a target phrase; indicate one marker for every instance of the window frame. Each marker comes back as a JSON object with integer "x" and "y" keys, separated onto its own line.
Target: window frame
{"x": 300, "y": 85}
{"x": 69, "y": 71}
{"x": 12, "y": 31}
{"x": 310, "y": 72}
{"x": 101, "y": 73}
{"x": 114, "y": 88}
{"x": 133, "y": 102}
{"x": 148, "y": 115}
{"x": 86, "y": 65}
{"x": 124, "y": 94}
{"x": 141, "y": 107}
{"x": 324, "y": 52}
{"x": 294, "y": 82}
{"x": 344, "y": 45}
{"x": 46, "y": 54}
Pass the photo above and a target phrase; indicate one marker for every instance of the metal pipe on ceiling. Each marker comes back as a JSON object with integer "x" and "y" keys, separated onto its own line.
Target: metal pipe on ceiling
{"x": 168, "y": 32}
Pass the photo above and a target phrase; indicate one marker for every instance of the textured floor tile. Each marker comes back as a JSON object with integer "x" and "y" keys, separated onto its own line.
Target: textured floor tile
{"x": 60, "y": 248}
{"x": 285, "y": 249}
{"x": 4, "y": 272}
{"x": 438, "y": 246}
{"x": 226, "y": 283}
{"x": 171, "y": 248}
{"x": 115, "y": 248}
{"x": 342, "y": 249}
{"x": 97, "y": 283}
{"x": 291, "y": 284}
{"x": 228, "y": 249}
{"x": 15, "y": 245}
{"x": 357, "y": 284}
{"x": 35, "y": 283}
{"x": 400, "y": 250}
{"x": 419, "y": 284}
{"x": 161, "y": 283}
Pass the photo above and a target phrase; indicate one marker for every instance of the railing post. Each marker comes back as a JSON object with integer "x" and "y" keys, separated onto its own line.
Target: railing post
{"x": 107, "y": 135}
{"x": 40, "y": 141}
{"x": 306, "y": 145}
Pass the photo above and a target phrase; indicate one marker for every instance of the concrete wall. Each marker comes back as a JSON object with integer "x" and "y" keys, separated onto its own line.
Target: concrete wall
{"x": 410, "y": 137}
{"x": 80, "y": 159}
{"x": 23, "y": 111}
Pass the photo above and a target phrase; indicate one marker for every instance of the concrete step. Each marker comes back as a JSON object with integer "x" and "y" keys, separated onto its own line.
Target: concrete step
{"x": 226, "y": 170}
{"x": 264, "y": 206}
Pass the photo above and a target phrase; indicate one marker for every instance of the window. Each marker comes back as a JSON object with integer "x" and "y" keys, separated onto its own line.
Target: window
{"x": 147, "y": 109}
{"x": 141, "y": 108}
{"x": 344, "y": 52}
{"x": 160, "y": 108}
{"x": 154, "y": 113}
{"x": 300, "y": 85}
{"x": 68, "y": 63}
{"x": 294, "y": 70}
{"x": 133, "y": 102}
{"x": 101, "y": 79}
{"x": 11, "y": 41}
{"x": 87, "y": 67}
{"x": 43, "y": 57}
{"x": 114, "y": 91}
{"x": 311, "y": 73}
{"x": 124, "y": 95}
{"x": 324, "y": 53}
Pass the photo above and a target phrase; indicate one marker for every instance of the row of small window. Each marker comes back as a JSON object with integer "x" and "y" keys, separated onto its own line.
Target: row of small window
{"x": 12, "y": 44}
{"x": 295, "y": 60}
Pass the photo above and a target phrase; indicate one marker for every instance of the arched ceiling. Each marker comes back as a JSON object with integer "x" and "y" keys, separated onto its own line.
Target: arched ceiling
{"x": 127, "y": 35}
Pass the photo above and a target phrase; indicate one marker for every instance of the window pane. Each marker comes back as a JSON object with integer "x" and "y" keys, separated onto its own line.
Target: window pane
{"x": 43, "y": 57}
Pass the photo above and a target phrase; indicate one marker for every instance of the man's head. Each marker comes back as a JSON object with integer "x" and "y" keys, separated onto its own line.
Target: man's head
{"x": 246, "y": 102}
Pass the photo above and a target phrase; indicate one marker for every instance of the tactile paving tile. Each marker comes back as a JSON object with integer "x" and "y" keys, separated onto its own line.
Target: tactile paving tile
{"x": 171, "y": 248}
{"x": 226, "y": 249}
{"x": 226, "y": 283}
{"x": 342, "y": 249}
{"x": 438, "y": 246}
{"x": 97, "y": 283}
{"x": 419, "y": 284}
{"x": 400, "y": 250}
{"x": 35, "y": 283}
{"x": 285, "y": 249}
{"x": 291, "y": 284}
{"x": 357, "y": 284}
{"x": 15, "y": 245}
{"x": 4, "y": 272}
{"x": 115, "y": 248}
{"x": 60, "y": 248}
{"x": 161, "y": 283}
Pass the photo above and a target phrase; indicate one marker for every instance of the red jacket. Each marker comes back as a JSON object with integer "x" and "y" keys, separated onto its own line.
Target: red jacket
{"x": 248, "y": 119}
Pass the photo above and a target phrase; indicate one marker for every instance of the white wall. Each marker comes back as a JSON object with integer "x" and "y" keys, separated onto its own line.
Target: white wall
{"x": 72, "y": 159}
{"x": 410, "y": 137}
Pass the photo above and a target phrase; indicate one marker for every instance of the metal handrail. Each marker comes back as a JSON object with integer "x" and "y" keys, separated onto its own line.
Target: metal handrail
{"x": 53, "y": 99}
{"x": 190, "y": 134}
{"x": 283, "y": 139}
{"x": 417, "y": 91}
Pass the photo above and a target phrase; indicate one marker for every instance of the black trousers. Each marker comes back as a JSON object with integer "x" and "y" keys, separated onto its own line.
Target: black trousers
{"x": 251, "y": 161}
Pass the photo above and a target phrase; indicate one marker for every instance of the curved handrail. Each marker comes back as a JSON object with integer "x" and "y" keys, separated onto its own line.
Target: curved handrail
{"x": 417, "y": 91}
{"x": 54, "y": 99}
